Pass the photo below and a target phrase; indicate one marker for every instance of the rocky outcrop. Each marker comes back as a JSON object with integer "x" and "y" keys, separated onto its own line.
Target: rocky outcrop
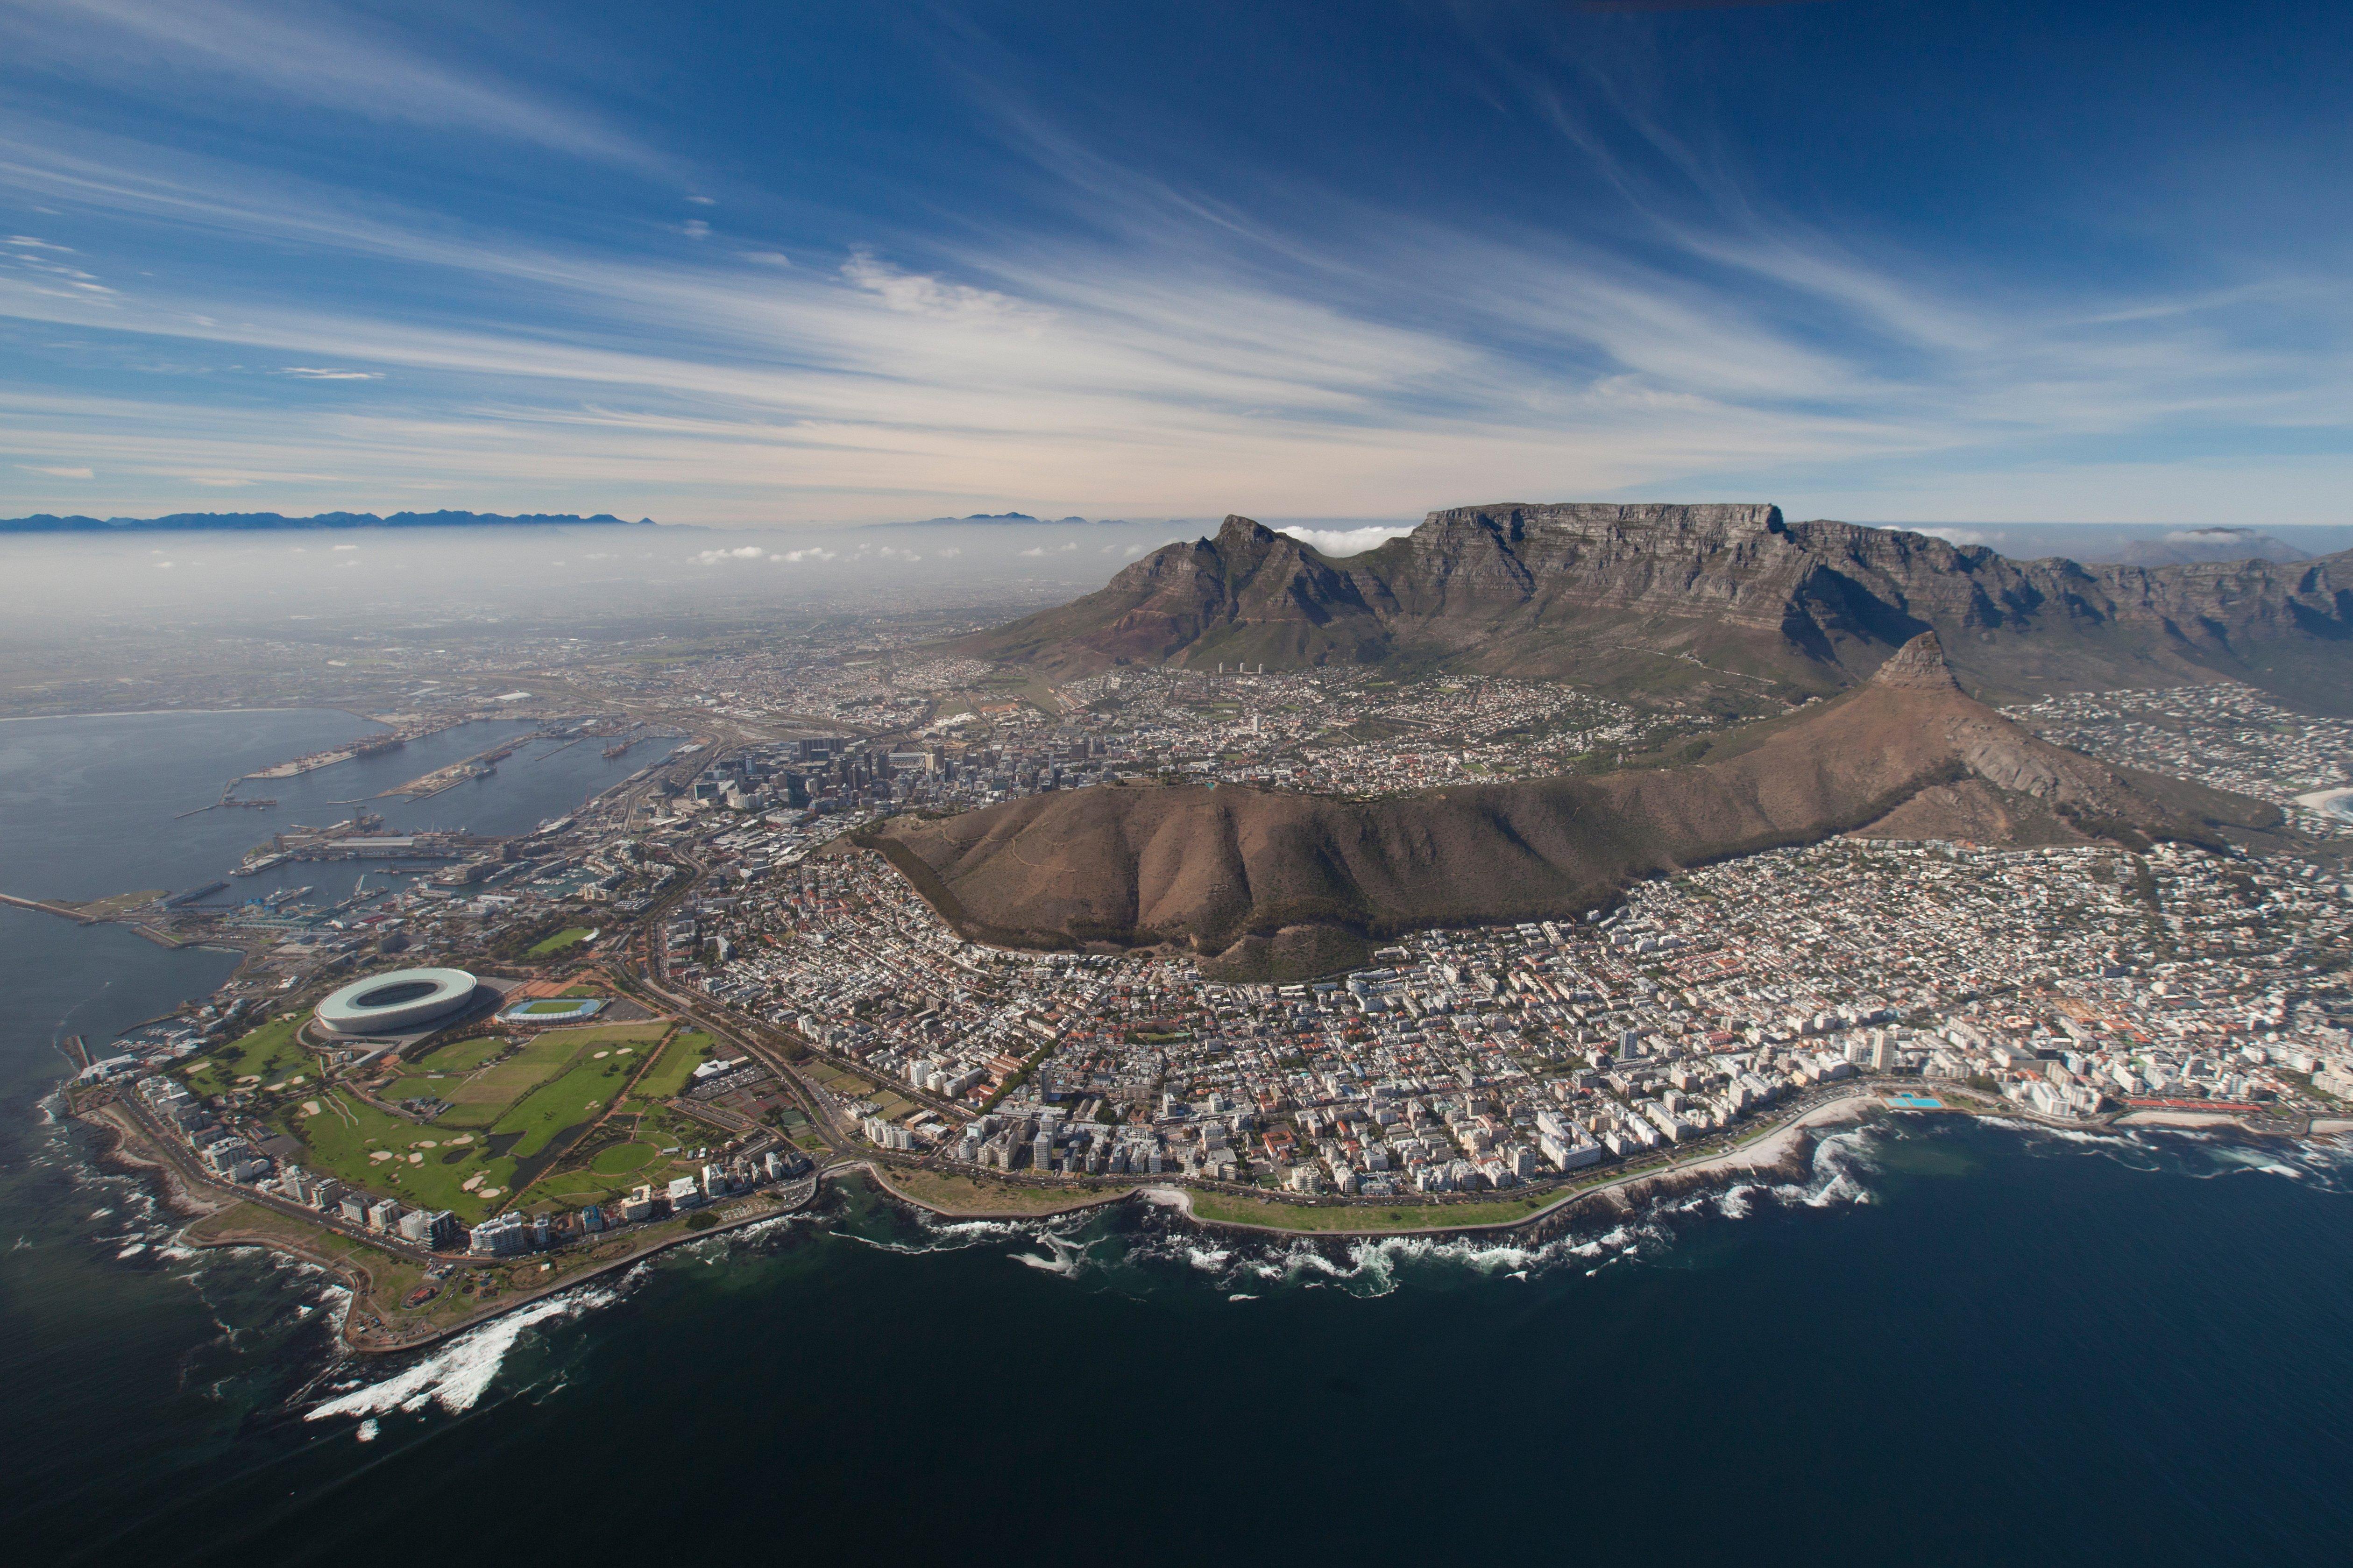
{"x": 1573, "y": 589}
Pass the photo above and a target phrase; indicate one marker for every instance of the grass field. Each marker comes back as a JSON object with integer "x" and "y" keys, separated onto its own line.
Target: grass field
{"x": 482, "y": 1098}
{"x": 623, "y": 1159}
{"x": 687, "y": 1050}
{"x": 575, "y": 1097}
{"x": 569, "y": 936}
{"x": 596, "y": 1183}
{"x": 462, "y": 1055}
{"x": 269, "y": 1054}
{"x": 1282, "y": 1215}
{"x": 556, "y": 1004}
{"x": 604, "y": 1037}
{"x": 348, "y": 1134}
{"x": 558, "y": 1080}
{"x": 969, "y": 1195}
{"x": 850, "y": 1086}
{"x": 391, "y": 1277}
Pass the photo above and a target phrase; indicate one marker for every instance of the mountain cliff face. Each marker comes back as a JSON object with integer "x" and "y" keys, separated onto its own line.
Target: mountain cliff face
{"x": 1603, "y": 593}
{"x": 1272, "y": 882}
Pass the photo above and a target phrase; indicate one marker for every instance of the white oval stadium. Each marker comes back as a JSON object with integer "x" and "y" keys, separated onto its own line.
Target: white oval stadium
{"x": 396, "y": 1002}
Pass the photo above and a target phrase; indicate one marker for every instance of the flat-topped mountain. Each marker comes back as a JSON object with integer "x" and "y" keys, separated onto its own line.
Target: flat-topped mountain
{"x": 1645, "y": 594}
{"x": 1269, "y": 882}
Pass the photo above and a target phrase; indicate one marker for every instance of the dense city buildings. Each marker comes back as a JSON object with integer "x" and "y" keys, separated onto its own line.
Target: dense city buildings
{"x": 802, "y": 996}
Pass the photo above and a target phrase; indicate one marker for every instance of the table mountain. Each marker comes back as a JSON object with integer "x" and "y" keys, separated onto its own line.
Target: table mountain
{"x": 1657, "y": 596}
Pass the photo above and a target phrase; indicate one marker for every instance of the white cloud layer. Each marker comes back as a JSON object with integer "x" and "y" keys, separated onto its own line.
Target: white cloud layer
{"x": 1337, "y": 542}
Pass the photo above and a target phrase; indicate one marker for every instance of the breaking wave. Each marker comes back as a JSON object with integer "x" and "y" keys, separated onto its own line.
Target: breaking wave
{"x": 1155, "y": 1240}
{"x": 459, "y": 1373}
{"x": 2200, "y": 1155}
{"x": 1840, "y": 1167}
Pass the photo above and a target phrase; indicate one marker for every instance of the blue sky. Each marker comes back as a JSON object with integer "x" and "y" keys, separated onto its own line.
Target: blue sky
{"x": 787, "y": 262}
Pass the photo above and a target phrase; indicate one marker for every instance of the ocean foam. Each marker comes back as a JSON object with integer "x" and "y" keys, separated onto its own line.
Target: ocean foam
{"x": 457, "y": 1375}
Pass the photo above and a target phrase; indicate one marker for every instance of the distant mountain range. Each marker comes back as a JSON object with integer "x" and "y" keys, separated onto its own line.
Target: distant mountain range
{"x": 1279, "y": 885}
{"x": 1660, "y": 598}
{"x": 1013, "y": 517}
{"x": 2184, "y": 545}
{"x": 263, "y": 521}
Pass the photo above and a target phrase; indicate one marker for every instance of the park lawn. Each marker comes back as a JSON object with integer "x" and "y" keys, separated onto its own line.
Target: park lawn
{"x": 568, "y": 937}
{"x": 269, "y": 1053}
{"x": 667, "y": 1129}
{"x": 485, "y": 1096}
{"x": 347, "y": 1130}
{"x": 847, "y": 1085}
{"x": 623, "y": 1158}
{"x": 1292, "y": 1217}
{"x": 612, "y": 1036}
{"x": 974, "y": 1195}
{"x": 390, "y": 1276}
{"x": 687, "y": 1050}
{"x": 574, "y": 1189}
{"x": 575, "y": 1097}
{"x": 462, "y": 1055}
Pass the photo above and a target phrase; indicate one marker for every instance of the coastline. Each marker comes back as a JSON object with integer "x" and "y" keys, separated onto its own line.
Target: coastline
{"x": 1779, "y": 1149}
{"x": 130, "y": 1152}
{"x": 158, "y": 713}
{"x": 1782, "y": 1150}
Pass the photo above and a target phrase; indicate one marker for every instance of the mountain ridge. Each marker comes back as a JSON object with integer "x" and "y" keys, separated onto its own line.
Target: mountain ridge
{"x": 1264, "y": 883}
{"x": 1576, "y": 588}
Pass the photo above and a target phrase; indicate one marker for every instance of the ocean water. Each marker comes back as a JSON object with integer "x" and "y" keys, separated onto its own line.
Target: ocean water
{"x": 1948, "y": 1341}
{"x": 93, "y": 804}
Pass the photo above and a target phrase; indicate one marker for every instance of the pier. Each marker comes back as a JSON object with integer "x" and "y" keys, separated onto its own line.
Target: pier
{"x": 65, "y": 911}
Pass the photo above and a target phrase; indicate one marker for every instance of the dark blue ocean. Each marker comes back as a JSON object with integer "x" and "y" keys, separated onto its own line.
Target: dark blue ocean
{"x": 1948, "y": 1341}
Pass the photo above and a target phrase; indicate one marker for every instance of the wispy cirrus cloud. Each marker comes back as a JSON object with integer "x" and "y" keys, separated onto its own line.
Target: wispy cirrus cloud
{"x": 1277, "y": 346}
{"x": 321, "y": 57}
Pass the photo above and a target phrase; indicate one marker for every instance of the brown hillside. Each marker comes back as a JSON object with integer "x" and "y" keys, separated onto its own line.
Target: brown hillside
{"x": 1216, "y": 868}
